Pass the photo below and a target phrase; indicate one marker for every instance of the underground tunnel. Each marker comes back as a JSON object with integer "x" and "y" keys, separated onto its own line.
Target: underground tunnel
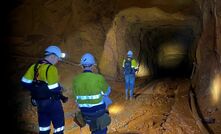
{"x": 166, "y": 51}
{"x": 176, "y": 44}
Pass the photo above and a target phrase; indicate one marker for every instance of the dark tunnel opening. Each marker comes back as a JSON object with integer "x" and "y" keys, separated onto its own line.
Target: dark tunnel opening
{"x": 167, "y": 51}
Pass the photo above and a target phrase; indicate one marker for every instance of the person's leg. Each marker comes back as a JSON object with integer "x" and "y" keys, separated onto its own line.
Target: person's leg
{"x": 43, "y": 117}
{"x": 103, "y": 131}
{"x": 57, "y": 116}
{"x": 127, "y": 84}
{"x": 132, "y": 83}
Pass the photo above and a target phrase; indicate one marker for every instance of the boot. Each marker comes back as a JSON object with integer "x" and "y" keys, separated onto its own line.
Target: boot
{"x": 126, "y": 98}
{"x": 131, "y": 97}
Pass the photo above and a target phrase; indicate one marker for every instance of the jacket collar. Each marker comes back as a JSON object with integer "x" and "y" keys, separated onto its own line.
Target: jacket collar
{"x": 44, "y": 61}
{"x": 87, "y": 71}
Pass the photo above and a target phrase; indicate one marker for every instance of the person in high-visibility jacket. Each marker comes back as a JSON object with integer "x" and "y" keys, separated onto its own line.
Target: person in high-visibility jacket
{"x": 130, "y": 68}
{"x": 41, "y": 79}
{"x": 89, "y": 91}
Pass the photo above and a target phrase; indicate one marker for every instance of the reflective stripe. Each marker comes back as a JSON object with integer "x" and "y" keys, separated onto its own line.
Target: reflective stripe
{"x": 134, "y": 67}
{"x": 108, "y": 91}
{"x": 90, "y": 105}
{"x": 59, "y": 129}
{"x": 91, "y": 97}
{"x": 44, "y": 128}
{"x": 53, "y": 86}
{"x": 26, "y": 80}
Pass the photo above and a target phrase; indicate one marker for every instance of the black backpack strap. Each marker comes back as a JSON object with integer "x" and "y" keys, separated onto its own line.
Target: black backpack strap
{"x": 125, "y": 60}
{"x": 129, "y": 60}
{"x": 36, "y": 71}
{"x": 47, "y": 71}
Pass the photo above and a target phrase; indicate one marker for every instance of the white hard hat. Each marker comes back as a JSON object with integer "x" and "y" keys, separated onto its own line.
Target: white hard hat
{"x": 87, "y": 60}
{"x": 54, "y": 50}
{"x": 130, "y": 53}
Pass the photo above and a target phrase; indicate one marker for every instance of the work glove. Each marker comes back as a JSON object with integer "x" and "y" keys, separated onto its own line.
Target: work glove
{"x": 33, "y": 102}
{"x": 63, "y": 98}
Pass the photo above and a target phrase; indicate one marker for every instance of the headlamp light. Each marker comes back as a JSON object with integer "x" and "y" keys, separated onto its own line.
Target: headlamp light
{"x": 63, "y": 55}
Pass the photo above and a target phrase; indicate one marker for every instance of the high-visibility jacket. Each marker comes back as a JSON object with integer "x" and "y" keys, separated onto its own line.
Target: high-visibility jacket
{"x": 48, "y": 75}
{"x": 88, "y": 89}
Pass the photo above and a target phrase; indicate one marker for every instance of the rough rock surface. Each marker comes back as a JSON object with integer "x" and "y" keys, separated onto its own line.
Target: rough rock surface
{"x": 106, "y": 29}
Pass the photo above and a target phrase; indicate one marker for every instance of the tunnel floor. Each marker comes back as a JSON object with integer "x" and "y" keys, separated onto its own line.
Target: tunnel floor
{"x": 159, "y": 107}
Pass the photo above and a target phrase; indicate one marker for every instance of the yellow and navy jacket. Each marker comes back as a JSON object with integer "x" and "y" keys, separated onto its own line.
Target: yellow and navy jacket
{"x": 89, "y": 88}
{"x": 47, "y": 74}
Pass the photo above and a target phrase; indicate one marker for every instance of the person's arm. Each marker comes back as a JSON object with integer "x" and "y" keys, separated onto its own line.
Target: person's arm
{"x": 123, "y": 65}
{"x": 26, "y": 80}
{"x": 73, "y": 90}
{"x": 53, "y": 80}
{"x": 53, "y": 84}
{"x": 106, "y": 89}
{"x": 26, "y": 83}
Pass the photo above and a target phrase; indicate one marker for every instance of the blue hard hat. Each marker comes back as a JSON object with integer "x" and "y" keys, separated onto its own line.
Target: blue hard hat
{"x": 87, "y": 60}
{"x": 130, "y": 53}
{"x": 54, "y": 50}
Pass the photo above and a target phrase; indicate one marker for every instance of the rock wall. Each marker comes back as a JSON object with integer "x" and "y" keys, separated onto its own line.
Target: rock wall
{"x": 105, "y": 29}
{"x": 77, "y": 27}
{"x": 207, "y": 77}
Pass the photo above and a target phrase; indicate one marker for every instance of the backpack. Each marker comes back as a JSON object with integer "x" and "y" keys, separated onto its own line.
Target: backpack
{"x": 39, "y": 88}
{"x": 127, "y": 67}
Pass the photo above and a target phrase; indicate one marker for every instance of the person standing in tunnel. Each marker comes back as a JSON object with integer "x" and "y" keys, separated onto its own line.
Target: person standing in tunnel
{"x": 41, "y": 79}
{"x": 90, "y": 91}
{"x": 129, "y": 68}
